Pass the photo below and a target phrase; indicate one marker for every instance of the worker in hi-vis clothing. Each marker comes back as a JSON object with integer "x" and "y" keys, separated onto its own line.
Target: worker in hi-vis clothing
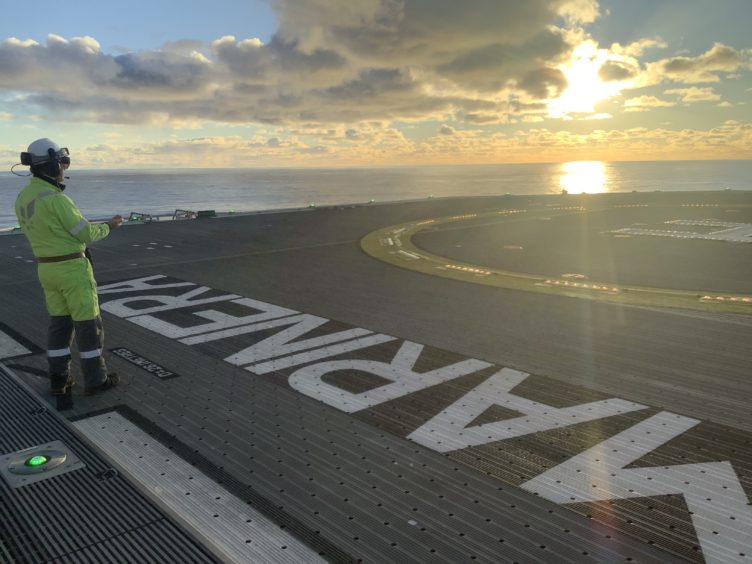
{"x": 58, "y": 234}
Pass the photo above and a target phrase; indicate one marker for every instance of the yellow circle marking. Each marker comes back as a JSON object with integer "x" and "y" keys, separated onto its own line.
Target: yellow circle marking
{"x": 394, "y": 245}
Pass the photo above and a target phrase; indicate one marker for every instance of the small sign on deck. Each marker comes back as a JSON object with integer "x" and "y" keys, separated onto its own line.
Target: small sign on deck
{"x": 151, "y": 367}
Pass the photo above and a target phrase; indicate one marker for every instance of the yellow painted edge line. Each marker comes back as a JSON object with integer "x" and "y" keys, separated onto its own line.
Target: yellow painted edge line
{"x": 394, "y": 246}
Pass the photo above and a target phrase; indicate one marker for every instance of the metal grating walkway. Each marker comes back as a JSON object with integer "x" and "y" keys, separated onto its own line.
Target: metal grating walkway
{"x": 91, "y": 514}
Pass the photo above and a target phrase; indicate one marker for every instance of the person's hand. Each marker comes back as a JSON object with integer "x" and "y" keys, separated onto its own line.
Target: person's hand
{"x": 115, "y": 222}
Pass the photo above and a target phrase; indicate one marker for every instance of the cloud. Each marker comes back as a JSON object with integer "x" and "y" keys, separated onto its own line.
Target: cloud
{"x": 27, "y": 65}
{"x": 706, "y": 67}
{"x": 5, "y": 116}
{"x": 638, "y": 48}
{"x": 159, "y": 75}
{"x": 447, "y": 130}
{"x": 424, "y": 32}
{"x": 543, "y": 83}
{"x": 694, "y": 94}
{"x": 644, "y": 103}
{"x": 376, "y": 143}
{"x": 580, "y": 11}
{"x": 617, "y": 71}
{"x": 330, "y": 61}
{"x": 730, "y": 140}
{"x": 184, "y": 46}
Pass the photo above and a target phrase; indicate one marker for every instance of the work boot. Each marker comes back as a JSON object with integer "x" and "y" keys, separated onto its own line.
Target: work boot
{"x": 61, "y": 384}
{"x": 111, "y": 381}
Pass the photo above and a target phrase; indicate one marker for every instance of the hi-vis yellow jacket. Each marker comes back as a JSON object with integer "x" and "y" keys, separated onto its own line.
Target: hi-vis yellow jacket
{"x": 52, "y": 222}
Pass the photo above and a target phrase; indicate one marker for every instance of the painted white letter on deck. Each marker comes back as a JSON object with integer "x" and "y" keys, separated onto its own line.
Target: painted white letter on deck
{"x": 139, "y": 284}
{"x": 218, "y": 319}
{"x": 449, "y": 429}
{"x": 118, "y": 307}
{"x": 279, "y": 344}
{"x": 308, "y": 379}
{"x": 717, "y": 503}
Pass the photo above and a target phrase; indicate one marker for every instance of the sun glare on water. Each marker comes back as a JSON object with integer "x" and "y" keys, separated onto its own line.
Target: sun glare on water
{"x": 583, "y": 176}
{"x": 585, "y": 88}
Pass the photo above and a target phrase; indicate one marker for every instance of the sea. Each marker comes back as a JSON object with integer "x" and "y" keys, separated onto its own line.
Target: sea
{"x": 101, "y": 194}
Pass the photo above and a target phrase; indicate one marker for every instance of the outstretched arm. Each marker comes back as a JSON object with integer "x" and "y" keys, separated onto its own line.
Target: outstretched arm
{"x": 75, "y": 224}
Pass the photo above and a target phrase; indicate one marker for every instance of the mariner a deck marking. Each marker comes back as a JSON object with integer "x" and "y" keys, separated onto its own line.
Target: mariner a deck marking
{"x": 328, "y": 361}
{"x": 235, "y": 530}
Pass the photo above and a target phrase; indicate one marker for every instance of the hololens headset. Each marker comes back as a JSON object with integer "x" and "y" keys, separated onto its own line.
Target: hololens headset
{"x": 53, "y": 160}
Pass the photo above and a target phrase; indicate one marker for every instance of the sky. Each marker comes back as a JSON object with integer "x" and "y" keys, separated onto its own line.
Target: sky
{"x": 337, "y": 83}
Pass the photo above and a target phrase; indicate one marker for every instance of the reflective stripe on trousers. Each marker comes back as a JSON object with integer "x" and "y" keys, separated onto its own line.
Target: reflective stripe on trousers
{"x": 90, "y": 341}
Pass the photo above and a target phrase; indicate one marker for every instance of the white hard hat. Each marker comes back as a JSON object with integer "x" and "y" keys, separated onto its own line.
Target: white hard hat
{"x": 40, "y": 150}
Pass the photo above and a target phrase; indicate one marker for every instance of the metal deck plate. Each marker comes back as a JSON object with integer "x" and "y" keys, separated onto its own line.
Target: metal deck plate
{"x": 395, "y": 416}
{"x": 233, "y": 529}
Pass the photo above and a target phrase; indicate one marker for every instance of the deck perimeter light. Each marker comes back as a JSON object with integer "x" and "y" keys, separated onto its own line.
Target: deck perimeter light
{"x": 35, "y": 461}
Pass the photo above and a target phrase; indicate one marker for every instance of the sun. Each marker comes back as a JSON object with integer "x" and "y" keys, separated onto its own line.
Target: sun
{"x": 585, "y": 88}
{"x": 584, "y": 177}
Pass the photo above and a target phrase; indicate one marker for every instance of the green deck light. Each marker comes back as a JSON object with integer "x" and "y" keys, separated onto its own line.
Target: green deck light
{"x": 35, "y": 461}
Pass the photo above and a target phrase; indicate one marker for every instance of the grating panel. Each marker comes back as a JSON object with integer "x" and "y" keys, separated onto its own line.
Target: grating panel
{"x": 235, "y": 530}
{"x": 79, "y": 510}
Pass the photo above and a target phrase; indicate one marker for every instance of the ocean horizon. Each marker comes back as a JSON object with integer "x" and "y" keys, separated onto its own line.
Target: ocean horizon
{"x": 103, "y": 193}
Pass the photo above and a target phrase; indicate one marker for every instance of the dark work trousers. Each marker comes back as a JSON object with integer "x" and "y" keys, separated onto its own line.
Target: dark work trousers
{"x": 90, "y": 341}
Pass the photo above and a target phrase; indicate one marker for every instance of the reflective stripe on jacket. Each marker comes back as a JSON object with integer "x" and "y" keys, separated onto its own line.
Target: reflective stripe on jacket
{"x": 52, "y": 222}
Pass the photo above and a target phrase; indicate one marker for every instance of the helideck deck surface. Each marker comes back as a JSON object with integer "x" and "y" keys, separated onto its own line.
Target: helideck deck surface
{"x": 377, "y": 413}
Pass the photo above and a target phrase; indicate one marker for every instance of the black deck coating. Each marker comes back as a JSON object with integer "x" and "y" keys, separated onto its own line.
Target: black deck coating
{"x": 354, "y": 479}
